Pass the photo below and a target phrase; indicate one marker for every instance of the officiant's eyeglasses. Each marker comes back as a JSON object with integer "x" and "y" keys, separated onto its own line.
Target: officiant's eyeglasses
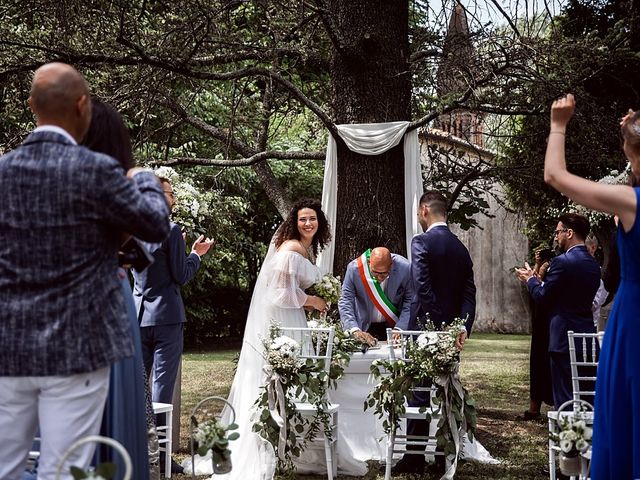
{"x": 379, "y": 274}
{"x": 559, "y": 231}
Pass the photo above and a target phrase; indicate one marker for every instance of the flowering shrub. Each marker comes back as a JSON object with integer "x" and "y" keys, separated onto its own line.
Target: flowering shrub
{"x": 192, "y": 205}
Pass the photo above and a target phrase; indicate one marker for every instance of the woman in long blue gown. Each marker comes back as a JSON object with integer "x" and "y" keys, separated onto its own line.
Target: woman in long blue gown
{"x": 616, "y": 431}
{"x": 124, "y": 416}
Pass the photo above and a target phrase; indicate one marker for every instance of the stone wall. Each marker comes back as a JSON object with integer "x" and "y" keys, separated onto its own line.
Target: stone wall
{"x": 502, "y": 303}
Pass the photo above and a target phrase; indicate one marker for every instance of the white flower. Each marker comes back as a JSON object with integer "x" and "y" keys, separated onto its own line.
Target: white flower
{"x": 582, "y": 444}
{"x": 587, "y": 433}
{"x": 566, "y": 446}
{"x": 313, "y": 324}
{"x": 427, "y": 339}
{"x": 168, "y": 173}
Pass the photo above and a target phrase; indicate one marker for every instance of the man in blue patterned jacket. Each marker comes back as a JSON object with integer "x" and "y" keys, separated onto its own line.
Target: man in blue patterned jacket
{"x": 62, "y": 317}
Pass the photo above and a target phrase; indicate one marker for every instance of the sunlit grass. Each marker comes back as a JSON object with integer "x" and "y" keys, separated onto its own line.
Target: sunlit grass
{"x": 495, "y": 368}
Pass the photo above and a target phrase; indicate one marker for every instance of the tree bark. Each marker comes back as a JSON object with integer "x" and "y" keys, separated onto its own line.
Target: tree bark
{"x": 371, "y": 83}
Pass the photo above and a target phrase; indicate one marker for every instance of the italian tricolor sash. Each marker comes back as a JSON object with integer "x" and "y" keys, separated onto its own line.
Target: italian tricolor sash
{"x": 375, "y": 292}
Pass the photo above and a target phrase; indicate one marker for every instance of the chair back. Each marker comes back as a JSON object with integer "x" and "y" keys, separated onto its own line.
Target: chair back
{"x": 314, "y": 343}
{"x": 398, "y": 350}
{"x": 584, "y": 353}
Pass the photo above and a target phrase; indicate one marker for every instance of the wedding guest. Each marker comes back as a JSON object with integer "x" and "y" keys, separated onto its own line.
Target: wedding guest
{"x": 376, "y": 293}
{"x": 159, "y": 307}
{"x": 616, "y": 444}
{"x": 539, "y": 366}
{"x": 278, "y": 296}
{"x": 124, "y": 417}
{"x": 63, "y": 319}
{"x": 567, "y": 292}
{"x": 591, "y": 243}
{"x": 443, "y": 290}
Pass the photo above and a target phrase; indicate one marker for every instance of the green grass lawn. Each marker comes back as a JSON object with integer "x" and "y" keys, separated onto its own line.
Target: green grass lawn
{"x": 494, "y": 368}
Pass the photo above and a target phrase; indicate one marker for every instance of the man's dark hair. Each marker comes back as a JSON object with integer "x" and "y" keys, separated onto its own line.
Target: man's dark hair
{"x": 578, "y": 223}
{"x": 436, "y": 202}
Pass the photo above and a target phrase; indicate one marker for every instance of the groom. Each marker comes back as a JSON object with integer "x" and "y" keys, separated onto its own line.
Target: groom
{"x": 444, "y": 289}
{"x": 376, "y": 294}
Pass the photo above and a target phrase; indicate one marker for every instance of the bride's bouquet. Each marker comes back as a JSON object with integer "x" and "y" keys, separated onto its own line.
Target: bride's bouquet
{"x": 329, "y": 288}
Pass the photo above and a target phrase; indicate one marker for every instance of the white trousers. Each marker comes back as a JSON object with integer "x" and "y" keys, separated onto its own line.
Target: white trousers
{"x": 65, "y": 408}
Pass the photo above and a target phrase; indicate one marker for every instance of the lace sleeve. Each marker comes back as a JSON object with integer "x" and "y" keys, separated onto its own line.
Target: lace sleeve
{"x": 284, "y": 289}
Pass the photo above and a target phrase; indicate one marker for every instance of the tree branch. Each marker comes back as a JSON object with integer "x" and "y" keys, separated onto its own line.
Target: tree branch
{"x": 245, "y": 162}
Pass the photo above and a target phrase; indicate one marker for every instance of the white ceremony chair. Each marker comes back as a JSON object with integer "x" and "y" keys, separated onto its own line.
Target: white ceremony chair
{"x": 165, "y": 434}
{"x": 319, "y": 352}
{"x": 428, "y": 442}
{"x": 583, "y": 377}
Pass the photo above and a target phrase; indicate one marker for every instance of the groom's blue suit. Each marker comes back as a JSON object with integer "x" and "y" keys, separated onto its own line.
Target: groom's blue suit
{"x": 442, "y": 274}
{"x": 357, "y": 310}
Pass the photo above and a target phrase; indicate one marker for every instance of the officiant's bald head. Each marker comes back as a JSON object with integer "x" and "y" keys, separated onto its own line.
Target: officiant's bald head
{"x": 380, "y": 263}
{"x": 60, "y": 96}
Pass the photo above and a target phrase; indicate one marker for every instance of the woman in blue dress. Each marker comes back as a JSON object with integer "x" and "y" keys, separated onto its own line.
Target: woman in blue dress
{"x": 124, "y": 417}
{"x": 616, "y": 432}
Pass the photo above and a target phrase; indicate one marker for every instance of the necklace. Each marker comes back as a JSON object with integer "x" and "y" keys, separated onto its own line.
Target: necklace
{"x": 310, "y": 254}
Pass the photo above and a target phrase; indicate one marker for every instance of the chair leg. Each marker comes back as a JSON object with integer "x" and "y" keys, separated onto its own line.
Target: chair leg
{"x": 552, "y": 452}
{"x": 169, "y": 444}
{"x": 391, "y": 440}
{"x": 328, "y": 456}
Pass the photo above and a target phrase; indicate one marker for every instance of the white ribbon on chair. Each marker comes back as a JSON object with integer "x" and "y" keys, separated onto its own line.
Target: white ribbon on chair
{"x": 372, "y": 139}
{"x": 277, "y": 408}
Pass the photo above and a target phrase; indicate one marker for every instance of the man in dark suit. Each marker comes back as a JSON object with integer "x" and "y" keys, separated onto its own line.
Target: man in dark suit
{"x": 567, "y": 293}
{"x": 443, "y": 290}
{"x": 63, "y": 320}
{"x": 376, "y": 294}
{"x": 161, "y": 314}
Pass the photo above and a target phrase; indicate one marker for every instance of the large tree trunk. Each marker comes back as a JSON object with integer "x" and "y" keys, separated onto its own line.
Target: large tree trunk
{"x": 371, "y": 84}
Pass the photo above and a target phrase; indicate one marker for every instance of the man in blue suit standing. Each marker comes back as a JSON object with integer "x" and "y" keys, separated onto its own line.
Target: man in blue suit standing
{"x": 161, "y": 314}
{"x": 376, "y": 294}
{"x": 63, "y": 319}
{"x": 443, "y": 290}
{"x": 568, "y": 290}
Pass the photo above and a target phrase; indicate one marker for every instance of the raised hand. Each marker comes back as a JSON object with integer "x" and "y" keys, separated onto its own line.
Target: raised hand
{"x": 202, "y": 246}
{"x": 561, "y": 112}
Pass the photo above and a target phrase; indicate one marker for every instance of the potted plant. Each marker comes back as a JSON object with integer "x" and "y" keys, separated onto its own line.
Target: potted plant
{"x": 573, "y": 439}
{"x": 214, "y": 435}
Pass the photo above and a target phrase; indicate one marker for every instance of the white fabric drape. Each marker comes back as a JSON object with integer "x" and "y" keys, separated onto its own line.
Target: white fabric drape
{"x": 372, "y": 139}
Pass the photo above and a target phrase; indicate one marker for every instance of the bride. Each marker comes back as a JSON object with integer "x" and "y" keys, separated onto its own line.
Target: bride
{"x": 278, "y": 296}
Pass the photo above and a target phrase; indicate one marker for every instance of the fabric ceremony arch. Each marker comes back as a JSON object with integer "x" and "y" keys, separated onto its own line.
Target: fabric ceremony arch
{"x": 372, "y": 139}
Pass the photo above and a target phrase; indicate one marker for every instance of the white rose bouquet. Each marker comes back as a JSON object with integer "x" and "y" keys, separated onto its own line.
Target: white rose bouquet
{"x": 329, "y": 288}
{"x": 574, "y": 436}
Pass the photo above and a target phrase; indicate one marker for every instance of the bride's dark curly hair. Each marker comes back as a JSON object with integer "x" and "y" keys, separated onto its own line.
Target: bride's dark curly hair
{"x": 289, "y": 228}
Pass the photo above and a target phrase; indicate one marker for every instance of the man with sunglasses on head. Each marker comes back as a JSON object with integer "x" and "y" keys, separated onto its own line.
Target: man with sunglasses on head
{"x": 376, "y": 294}
{"x": 567, "y": 292}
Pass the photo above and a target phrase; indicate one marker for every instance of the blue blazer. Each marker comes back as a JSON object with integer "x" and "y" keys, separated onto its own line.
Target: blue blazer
{"x": 356, "y": 310}
{"x": 62, "y": 310}
{"x": 567, "y": 292}
{"x": 156, "y": 290}
{"x": 442, "y": 274}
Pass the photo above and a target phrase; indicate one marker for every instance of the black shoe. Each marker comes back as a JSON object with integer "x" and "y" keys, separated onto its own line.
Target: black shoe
{"x": 175, "y": 467}
{"x": 409, "y": 464}
{"x": 528, "y": 416}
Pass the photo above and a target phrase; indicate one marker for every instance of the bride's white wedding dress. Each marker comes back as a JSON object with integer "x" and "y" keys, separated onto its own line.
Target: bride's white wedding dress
{"x": 277, "y": 297}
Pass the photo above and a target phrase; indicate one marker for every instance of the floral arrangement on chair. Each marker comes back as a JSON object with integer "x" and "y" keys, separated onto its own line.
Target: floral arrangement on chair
{"x": 573, "y": 438}
{"x": 432, "y": 355}
{"x": 104, "y": 471}
{"x": 289, "y": 378}
{"x": 212, "y": 434}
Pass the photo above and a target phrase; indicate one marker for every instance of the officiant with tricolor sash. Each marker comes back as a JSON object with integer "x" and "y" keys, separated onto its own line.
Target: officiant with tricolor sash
{"x": 376, "y": 293}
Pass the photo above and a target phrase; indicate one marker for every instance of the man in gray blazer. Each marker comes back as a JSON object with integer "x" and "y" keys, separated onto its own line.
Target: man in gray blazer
{"x": 161, "y": 314}
{"x": 63, "y": 319}
{"x": 376, "y": 294}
